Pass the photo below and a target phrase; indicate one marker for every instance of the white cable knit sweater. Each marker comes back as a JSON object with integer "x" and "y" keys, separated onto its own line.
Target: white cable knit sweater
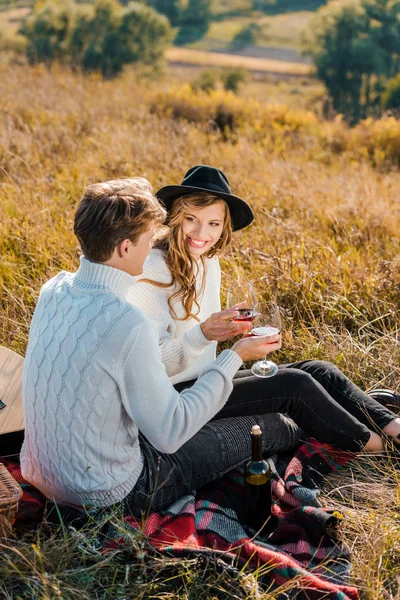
{"x": 184, "y": 349}
{"x": 93, "y": 376}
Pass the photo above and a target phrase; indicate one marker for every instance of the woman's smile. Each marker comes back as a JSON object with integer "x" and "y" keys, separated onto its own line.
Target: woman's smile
{"x": 195, "y": 243}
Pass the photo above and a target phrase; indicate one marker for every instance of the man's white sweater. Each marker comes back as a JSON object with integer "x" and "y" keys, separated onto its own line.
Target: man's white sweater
{"x": 184, "y": 349}
{"x": 93, "y": 377}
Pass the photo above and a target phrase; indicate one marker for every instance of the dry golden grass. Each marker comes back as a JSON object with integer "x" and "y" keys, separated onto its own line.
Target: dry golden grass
{"x": 12, "y": 18}
{"x": 217, "y": 59}
{"x": 266, "y": 88}
{"x": 10, "y": 22}
{"x": 325, "y": 244}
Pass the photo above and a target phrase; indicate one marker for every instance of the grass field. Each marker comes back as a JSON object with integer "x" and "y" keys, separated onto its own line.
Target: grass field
{"x": 281, "y": 30}
{"x": 325, "y": 244}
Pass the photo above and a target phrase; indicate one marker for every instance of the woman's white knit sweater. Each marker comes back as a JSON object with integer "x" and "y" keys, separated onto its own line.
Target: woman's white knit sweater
{"x": 93, "y": 378}
{"x": 184, "y": 349}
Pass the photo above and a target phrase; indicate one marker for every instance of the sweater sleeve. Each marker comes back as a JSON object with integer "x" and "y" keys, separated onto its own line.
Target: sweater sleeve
{"x": 177, "y": 353}
{"x": 169, "y": 419}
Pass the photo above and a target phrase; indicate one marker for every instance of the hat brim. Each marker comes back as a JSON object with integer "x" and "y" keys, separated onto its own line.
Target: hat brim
{"x": 241, "y": 213}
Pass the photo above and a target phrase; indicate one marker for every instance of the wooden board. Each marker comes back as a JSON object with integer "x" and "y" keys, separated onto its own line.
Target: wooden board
{"x": 12, "y": 416}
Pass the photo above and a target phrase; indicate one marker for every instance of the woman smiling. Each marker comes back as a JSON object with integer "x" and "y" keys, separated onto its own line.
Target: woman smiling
{"x": 184, "y": 274}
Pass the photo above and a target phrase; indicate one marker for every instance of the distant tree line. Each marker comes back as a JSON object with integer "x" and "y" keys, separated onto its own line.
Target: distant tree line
{"x": 355, "y": 45}
{"x": 107, "y": 34}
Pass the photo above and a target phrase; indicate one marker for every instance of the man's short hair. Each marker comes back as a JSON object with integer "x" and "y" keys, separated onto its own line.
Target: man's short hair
{"x": 113, "y": 211}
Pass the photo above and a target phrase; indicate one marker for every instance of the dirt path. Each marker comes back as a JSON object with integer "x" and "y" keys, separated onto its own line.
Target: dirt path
{"x": 219, "y": 59}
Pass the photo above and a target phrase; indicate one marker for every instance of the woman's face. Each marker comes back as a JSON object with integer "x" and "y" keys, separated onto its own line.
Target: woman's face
{"x": 202, "y": 227}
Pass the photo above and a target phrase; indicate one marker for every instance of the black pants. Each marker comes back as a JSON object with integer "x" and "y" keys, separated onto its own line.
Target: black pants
{"x": 319, "y": 399}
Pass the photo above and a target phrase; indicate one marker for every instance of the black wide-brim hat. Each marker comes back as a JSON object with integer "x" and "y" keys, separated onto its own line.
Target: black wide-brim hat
{"x": 203, "y": 178}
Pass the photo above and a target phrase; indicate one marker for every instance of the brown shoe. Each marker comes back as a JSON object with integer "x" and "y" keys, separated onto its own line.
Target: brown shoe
{"x": 388, "y": 398}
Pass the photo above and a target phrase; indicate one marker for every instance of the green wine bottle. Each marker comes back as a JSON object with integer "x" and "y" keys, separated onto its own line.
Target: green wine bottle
{"x": 258, "y": 489}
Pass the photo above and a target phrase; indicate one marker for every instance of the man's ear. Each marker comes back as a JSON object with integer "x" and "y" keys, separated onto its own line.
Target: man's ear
{"x": 123, "y": 247}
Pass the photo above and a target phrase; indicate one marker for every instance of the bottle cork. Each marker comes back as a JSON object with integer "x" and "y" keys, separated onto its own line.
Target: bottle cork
{"x": 256, "y": 430}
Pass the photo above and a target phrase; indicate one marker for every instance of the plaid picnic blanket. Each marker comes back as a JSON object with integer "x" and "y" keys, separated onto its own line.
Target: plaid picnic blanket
{"x": 211, "y": 523}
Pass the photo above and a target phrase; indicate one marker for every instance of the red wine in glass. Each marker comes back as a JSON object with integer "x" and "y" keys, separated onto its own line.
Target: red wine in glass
{"x": 243, "y": 295}
{"x": 245, "y": 314}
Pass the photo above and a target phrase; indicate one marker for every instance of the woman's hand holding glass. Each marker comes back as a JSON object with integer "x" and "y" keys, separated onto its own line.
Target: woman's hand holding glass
{"x": 222, "y": 326}
{"x": 242, "y": 296}
{"x": 254, "y": 347}
{"x": 236, "y": 319}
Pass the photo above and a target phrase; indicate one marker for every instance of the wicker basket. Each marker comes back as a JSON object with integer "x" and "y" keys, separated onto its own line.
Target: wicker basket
{"x": 10, "y": 494}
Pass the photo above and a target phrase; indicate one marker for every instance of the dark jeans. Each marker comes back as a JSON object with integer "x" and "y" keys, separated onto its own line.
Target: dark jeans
{"x": 319, "y": 399}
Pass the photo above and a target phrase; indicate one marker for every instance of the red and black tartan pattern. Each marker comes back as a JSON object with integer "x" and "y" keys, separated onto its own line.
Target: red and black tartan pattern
{"x": 211, "y": 523}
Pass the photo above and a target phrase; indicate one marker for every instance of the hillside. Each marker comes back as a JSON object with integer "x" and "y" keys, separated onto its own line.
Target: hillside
{"x": 280, "y": 24}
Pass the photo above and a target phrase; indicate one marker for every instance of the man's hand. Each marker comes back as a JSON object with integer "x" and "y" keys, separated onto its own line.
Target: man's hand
{"x": 220, "y": 326}
{"x": 257, "y": 346}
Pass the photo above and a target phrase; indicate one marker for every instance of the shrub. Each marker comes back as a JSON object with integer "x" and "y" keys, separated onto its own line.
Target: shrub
{"x": 247, "y": 36}
{"x": 170, "y": 8}
{"x": 195, "y": 21}
{"x": 103, "y": 39}
{"x": 48, "y": 30}
{"x": 233, "y": 79}
{"x": 377, "y": 141}
{"x": 213, "y": 79}
{"x": 391, "y": 95}
{"x": 231, "y": 114}
{"x": 207, "y": 80}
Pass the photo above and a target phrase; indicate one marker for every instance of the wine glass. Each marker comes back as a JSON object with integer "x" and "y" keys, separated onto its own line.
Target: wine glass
{"x": 267, "y": 322}
{"x": 242, "y": 292}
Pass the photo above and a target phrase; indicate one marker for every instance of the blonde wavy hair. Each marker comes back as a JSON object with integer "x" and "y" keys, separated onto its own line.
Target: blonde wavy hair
{"x": 182, "y": 266}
